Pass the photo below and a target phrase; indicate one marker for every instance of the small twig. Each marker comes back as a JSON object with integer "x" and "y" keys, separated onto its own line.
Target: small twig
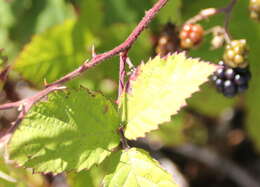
{"x": 203, "y": 14}
{"x": 31, "y": 100}
{"x": 215, "y": 161}
{"x": 206, "y": 13}
{"x": 227, "y": 11}
{"x": 23, "y": 107}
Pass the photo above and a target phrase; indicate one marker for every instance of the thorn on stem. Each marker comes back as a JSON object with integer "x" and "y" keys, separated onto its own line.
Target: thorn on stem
{"x": 93, "y": 51}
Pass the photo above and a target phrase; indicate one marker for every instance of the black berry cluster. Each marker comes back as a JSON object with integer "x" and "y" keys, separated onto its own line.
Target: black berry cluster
{"x": 254, "y": 7}
{"x": 231, "y": 81}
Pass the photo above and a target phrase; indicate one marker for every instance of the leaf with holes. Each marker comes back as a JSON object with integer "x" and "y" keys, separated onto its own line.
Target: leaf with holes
{"x": 71, "y": 131}
{"x": 136, "y": 168}
{"x": 160, "y": 90}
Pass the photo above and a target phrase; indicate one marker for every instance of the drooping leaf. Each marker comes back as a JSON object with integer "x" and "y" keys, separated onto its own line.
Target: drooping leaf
{"x": 54, "y": 53}
{"x": 137, "y": 169}
{"x": 160, "y": 91}
{"x": 72, "y": 130}
{"x": 92, "y": 178}
{"x": 96, "y": 174}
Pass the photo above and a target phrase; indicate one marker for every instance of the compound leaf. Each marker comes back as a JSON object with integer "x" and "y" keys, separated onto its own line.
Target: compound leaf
{"x": 160, "y": 91}
{"x": 73, "y": 130}
{"x": 136, "y": 169}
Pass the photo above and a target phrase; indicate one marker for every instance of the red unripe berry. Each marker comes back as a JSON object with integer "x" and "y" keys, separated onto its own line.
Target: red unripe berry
{"x": 191, "y": 35}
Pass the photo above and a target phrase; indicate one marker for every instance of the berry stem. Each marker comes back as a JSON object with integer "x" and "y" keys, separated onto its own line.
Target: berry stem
{"x": 208, "y": 12}
{"x": 227, "y": 11}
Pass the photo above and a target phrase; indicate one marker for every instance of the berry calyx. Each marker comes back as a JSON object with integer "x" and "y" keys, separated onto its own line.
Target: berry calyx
{"x": 191, "y": 35}
{"x": 254, "y": 7}
{"x": 231, "y": 81}
{"x": 235, "y": 54}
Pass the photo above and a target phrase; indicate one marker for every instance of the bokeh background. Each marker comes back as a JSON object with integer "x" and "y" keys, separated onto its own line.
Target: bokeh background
{"x": 214, "y": 141}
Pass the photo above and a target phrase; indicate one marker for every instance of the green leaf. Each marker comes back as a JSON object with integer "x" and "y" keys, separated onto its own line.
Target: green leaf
{"x": 92, "y": 177}
{"x": 54, "y": 52}
{"x": 73, "y": 130}
{"x": 160, "y": 91}
{"x": 137, "y": 169}
{"x": 96, "y": 174}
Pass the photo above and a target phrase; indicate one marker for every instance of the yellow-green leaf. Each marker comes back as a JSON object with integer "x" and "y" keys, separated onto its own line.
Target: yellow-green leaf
{"x": 136, "y": 168}
{"x": 160, "y": 91}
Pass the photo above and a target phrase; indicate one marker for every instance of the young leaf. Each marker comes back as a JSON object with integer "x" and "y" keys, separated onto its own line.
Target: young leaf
{"x": 72, "y": 130}
{"x": 54, "y": 53}
{"x": 136, "y": 168}
{"x": 160, "y": 91}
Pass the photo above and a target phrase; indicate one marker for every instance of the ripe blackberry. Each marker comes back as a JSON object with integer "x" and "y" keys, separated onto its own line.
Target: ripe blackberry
{"x": 235, "y": 54}
{"x": 191, "y": 35}
{"x": 231, "y": 81}
{"x": 168, "y": 41}
{"x": 254, "y": 7}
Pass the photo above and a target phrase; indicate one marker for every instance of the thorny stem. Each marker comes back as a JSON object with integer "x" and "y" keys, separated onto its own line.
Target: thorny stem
{"x": 24, "y": 106}
{"x": 126, "y": 45}
{"x": 96, "y": 59}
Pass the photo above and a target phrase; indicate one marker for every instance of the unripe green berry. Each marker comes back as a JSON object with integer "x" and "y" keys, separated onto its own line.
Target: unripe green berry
{"x": 235, "y": 54}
